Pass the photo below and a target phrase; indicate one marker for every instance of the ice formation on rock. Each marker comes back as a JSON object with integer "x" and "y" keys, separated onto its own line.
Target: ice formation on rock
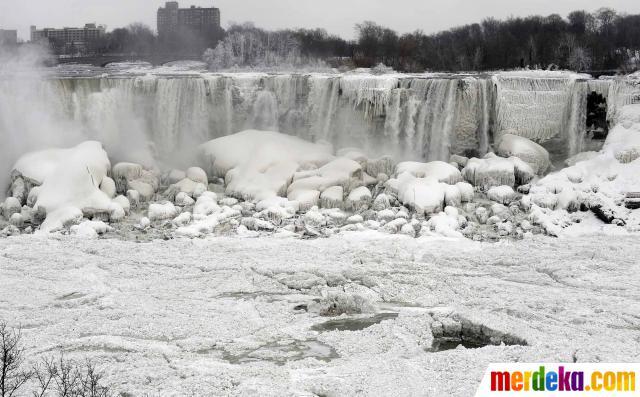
{"x": 526, "y": 150}
{"x": 70, "y": 183}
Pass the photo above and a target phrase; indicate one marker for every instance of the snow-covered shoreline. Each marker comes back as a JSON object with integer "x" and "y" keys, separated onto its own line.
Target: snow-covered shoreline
{"x": 226, "y": 316}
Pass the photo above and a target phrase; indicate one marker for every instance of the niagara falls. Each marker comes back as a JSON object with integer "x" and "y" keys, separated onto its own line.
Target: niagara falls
{"x": 426, "y": 203}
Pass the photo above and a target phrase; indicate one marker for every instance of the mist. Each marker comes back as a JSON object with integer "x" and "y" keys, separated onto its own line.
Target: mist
{"x": 35, "y": 116}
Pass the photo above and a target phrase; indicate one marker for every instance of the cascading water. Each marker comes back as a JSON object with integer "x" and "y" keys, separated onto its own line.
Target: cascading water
{"x": 163, "y": 118}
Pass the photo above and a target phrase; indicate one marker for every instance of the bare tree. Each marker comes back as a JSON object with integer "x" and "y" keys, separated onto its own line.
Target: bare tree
{"x": 51, "y": 377}
{"x": 12, "y": 377}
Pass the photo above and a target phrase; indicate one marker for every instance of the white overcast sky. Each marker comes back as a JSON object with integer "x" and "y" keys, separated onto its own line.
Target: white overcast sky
{"x": 337, "y": 16}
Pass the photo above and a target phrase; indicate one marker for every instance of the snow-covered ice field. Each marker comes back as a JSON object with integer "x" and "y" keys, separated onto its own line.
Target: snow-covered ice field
{"x": 243, "y": 316}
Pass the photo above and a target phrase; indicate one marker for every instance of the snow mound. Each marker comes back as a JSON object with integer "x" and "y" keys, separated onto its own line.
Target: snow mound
{"x": 258, "y": 165}
{"x": 526, "y": 150}
{"x": 70, "y": 183}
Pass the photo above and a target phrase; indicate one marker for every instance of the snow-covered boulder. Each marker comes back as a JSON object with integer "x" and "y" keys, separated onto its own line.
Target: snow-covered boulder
{"x": 497, "y": 171}
{"x": 341, "y": 172}
{"x": 123, "y": 173}
{"x": 306, "y": 198}
{"x": 16, "y": 219}
{"x": 394, "y": 226}
{"x": 70, "y": 181}
{"x": 108, "y": 186}
{"x": 124, "y": 203}
{"x": 182, "y": 220}
{"x": 358, "y": 199}
{"x": 528, "y": 151}
{"x": 145, "y": 190}
{"x": 197, "y": 175}
{"x": 183, "y": 199}
{"x": 502, "y": 194}
{"x": 175, "y": 176}
{"x": 381, "y": 202}
{"x": 332, "y": 197}
{"x": 439, "y": 170}
{"x": 162, "y": 211}
{"x": 134, "y": 198}
{"x": 466, "y": 191}
{"x": 11, "y": 206}
{"x": 90, "y": 229}
{"x": 452, "y": 196}
{"x": 460, "y": 161}
{"x": 384, "y": 165}
{"x": 131, "y": 176}
{"x": 623, "y": 143}
{"x": 206, "y": 205}
{"x": 19, "y": 189}
{"x": 445, "y": 224}
{"x": 258, "y": 165}
{"x": 423, "y": 195}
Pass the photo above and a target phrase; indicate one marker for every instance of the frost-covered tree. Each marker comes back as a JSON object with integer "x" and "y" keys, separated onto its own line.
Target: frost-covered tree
{"x": 248, "y": 46}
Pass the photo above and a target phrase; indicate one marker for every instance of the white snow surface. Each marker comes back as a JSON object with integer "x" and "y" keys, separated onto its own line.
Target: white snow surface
{"x": 259, "y": 164}
{"x": 217, "y": 316}
{"x": 70, "y": 181}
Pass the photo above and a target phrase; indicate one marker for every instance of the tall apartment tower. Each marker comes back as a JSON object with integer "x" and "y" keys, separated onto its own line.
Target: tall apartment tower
{"x": 173, "y": 20}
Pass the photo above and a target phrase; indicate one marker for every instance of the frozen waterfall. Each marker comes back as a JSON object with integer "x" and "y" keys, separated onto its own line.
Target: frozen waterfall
{"x": 151, "y": 117}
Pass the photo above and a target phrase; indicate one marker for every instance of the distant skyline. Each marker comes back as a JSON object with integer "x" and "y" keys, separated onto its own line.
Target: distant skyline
{"x": 336, "y": 16}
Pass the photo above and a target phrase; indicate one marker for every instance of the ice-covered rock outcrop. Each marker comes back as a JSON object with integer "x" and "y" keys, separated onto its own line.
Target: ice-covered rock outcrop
{"x": 69, "y": 182}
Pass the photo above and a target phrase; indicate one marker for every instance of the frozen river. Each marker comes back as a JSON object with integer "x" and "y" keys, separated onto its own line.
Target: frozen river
{"x": 248, "y": 316}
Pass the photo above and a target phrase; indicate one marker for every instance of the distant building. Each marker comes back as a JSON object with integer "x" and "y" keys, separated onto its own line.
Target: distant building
{"x": 69, "y": 40}
{"x": 193, "y": 22}
{"x": 8, "y": 37}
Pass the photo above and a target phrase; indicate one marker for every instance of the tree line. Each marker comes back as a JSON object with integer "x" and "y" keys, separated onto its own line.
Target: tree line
{"x": 601, "y": 40}
{"x": 583, "y": 41}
